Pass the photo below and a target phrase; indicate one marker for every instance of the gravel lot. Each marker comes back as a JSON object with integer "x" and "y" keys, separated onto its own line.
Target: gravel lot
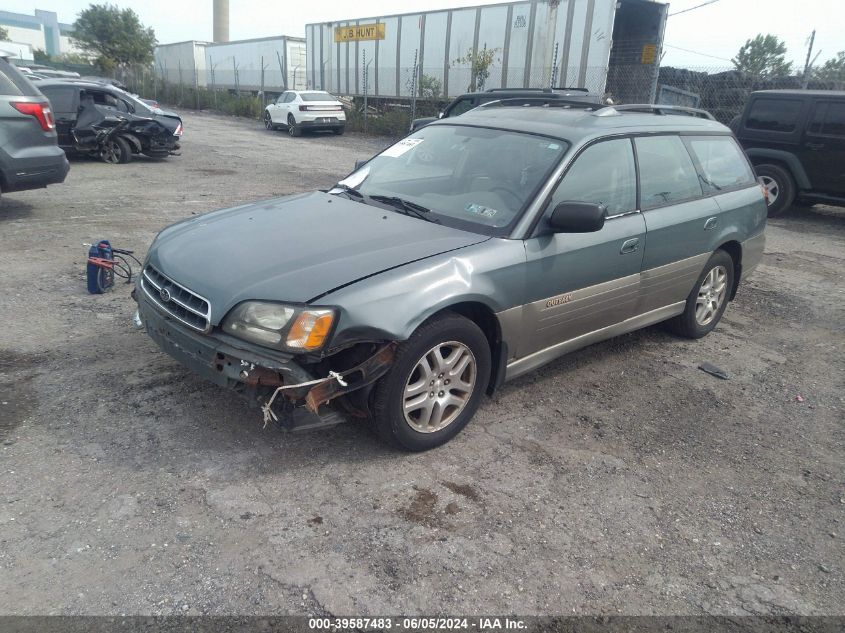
{"x": 620, "y": 479}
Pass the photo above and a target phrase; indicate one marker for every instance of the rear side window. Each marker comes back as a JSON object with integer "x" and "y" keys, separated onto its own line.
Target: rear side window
{"x": 316, "y": 96}
{"x": 12, "y": 81}
{"x": 774, "y": 115}
{"x": 604, "y": 173}
{"x": 722, "y": 163}
{"x": 464, "y": 105}
{"x": 61, "y": 99}
{"x": 667, "y": 174}
{"x": 829, "y": 119}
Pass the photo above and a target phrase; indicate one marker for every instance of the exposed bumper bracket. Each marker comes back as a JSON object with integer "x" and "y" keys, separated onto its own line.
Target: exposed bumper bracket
{"x": 322, "y": 390}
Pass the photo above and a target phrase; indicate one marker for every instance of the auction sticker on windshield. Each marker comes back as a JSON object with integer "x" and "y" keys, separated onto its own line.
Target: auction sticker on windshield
{"x": 395, "y": 151}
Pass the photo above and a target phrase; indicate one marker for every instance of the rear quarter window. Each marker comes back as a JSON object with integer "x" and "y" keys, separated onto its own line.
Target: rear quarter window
{"x": 774, "y": 115}
{"x": 13, "y": 82}
{"x": 722, "y": 163}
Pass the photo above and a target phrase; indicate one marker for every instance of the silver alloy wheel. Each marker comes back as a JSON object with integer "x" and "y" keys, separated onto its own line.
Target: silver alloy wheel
{"x": 111, "y": 152}
{"x": 439, "y": 387}
{"x": 711, "y": 295}
{"x": 772, "y": 188}
{"x": 268, "y": 121}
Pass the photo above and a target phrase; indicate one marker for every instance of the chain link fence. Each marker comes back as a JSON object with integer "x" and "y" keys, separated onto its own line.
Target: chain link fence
{"x": 395, "y": 96}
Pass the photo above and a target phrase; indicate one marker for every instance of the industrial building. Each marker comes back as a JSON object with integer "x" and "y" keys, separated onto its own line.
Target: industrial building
{"x": 42, "y": 30}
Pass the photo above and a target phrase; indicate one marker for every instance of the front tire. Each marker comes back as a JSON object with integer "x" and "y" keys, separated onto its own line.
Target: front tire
{"x": 116, "y": 151}
{"x": 708, "y": 299}
{"x": 293, "y": 129}
{"x": 435, "y": 386}
{"x": 780, "y": 186}
{"x": 339, "y": 130}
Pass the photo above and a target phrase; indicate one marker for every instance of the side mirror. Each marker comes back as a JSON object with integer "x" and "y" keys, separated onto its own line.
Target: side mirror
{"x": 360, "y": 163}
{"x": 440, "y": 115}
{"x": 577, "y": 217}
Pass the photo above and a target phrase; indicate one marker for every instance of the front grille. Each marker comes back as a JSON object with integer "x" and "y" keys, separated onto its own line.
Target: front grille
{"x": 176, "y": 300}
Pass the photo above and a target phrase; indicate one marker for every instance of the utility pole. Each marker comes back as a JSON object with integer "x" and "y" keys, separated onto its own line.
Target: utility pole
{"x": 805, "y": 78}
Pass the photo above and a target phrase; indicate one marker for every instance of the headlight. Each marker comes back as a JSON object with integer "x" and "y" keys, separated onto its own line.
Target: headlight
{"x": 274, "y": 325}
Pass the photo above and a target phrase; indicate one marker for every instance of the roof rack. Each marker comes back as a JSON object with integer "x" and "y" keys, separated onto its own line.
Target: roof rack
{"x": 653, "y": 109}
{"x": 542, "y": 101}
{"x": 550, "y": 89}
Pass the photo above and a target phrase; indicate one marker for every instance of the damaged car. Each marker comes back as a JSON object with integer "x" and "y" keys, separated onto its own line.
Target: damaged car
{"x": 103, "y": 121}
{"x": 436, "y": 271}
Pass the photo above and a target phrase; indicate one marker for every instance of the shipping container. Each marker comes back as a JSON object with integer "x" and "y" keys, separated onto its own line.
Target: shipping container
{"x": 272, "y": 63}
{"x": 607, "y": 46}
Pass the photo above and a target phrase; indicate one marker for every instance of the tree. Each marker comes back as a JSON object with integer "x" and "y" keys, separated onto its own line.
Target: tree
{"x": 763, "y": 56}
{"x": 479, "y": 63}
{"x": 833, "y": 69}
{"x": 41, "y": 56}
{"x": 4, "y": 34}
{"x": 113, "y": 36}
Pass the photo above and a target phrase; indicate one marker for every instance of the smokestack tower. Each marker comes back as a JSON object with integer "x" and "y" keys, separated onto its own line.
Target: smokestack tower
{"x": 221, "y": 21}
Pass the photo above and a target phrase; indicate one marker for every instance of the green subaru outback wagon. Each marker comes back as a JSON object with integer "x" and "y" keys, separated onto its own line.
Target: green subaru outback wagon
{"x": 471, "y": 252}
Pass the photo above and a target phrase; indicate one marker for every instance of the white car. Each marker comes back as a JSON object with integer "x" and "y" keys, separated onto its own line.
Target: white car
{"x": 305, "y": 110}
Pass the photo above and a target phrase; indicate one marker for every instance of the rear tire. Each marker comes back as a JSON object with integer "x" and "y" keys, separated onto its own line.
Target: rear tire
{"x": 435, "y": 386}
{"x": 339, "y": 130}
{"x": 116, "y": 151}
{"x": 708, "y": 299}
{"x": 293, "y": 129}
{"x": 780, "y": 185}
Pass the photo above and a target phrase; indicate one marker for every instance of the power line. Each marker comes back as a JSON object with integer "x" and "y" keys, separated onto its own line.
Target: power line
{"x": 687, "y": 50}
{"x": 698, "y": 6}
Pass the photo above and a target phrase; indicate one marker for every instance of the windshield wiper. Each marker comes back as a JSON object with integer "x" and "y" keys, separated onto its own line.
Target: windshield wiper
{"x": 406, "y": 206}
{"x": 353, "y": 193}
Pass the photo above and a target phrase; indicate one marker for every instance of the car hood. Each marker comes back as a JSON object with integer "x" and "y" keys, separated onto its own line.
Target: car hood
{"x": 294, "y": 249}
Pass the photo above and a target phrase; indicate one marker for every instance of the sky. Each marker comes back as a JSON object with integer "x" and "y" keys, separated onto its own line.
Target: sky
{"x": 705, "y": 37}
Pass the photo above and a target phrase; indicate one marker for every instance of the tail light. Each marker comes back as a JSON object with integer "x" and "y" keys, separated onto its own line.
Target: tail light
{"x": 765, "y": 189}
{"x": 41, "y": 111}
{"x": 178, "y": 131}
{"x": 305, "y": 108}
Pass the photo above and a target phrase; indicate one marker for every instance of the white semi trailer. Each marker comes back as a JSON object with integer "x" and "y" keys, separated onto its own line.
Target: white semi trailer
{"x": 603, "y": 45}
{"x": 276, "y": 63}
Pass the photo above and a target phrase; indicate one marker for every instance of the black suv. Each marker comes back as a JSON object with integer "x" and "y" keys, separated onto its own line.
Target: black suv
{"x": 102, "y": 120}
{"x": 29, "y": 156}
{"x": 796, "y": 142}
{"x": 471, "y": 100}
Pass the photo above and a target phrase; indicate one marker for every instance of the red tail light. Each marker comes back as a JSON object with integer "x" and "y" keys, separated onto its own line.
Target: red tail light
{"x": 304, "y": 108}
{"x": 41, "y": 111}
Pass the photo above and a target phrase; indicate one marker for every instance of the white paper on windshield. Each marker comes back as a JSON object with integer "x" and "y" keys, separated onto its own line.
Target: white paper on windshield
{"x": 395, "y": 151}
{"x": 357, "y": 177}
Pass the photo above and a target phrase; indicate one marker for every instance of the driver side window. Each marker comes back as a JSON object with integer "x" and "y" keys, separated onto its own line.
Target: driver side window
{"x": 604, "y": 173}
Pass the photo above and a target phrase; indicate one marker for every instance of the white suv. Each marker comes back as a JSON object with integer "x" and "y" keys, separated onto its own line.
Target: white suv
{"x": 305, "y": 109}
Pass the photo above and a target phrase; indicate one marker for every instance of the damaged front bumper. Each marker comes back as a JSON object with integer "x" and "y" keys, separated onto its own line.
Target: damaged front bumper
{"x": 288, "y": 393}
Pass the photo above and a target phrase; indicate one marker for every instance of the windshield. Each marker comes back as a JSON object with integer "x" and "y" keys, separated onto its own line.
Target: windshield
{"x": 477, "y": 179}
{"x": 316, "y": 96}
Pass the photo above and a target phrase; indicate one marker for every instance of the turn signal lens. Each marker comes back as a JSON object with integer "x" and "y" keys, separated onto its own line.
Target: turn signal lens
{"x": 310, "y": 329}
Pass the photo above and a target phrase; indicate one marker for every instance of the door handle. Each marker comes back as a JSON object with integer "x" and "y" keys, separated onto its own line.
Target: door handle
{"x": 711, "y": 223}
{"x": 814, "y": 145}
{"x": 630, "y": 246}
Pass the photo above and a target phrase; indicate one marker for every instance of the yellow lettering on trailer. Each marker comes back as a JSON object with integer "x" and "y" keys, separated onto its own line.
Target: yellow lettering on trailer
{"x": 359, "y": 32}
